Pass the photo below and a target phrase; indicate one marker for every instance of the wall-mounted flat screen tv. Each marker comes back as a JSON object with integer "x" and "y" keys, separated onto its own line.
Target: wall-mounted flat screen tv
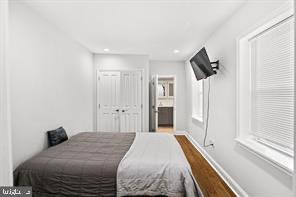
{"x": 201, "y": 65}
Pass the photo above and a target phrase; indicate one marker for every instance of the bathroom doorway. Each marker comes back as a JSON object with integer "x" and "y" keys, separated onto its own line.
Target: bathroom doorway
{"x": 163, "y": 103}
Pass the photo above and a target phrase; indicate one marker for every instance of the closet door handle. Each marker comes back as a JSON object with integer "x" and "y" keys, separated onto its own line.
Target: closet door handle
{"x": 117, "y": 110}
{"x": 123, "y": 110}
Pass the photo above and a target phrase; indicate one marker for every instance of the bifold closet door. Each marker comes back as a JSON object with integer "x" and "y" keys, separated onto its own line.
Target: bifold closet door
{"x": 131, "y": 101}
{"x": 120, "y": 101}
{"x": 109, "y": 102}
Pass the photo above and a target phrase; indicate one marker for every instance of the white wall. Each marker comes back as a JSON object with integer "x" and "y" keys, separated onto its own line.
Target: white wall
{"x": 127, "y": 62}
{"x": 176, "y": 68}
{"x": 5, "y": 129}
{"x": 51, "y": 82}
{"x": 257, "y": 177}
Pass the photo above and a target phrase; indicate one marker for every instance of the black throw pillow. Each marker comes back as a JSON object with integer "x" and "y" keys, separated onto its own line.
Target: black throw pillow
{"x": 56, "y": 136}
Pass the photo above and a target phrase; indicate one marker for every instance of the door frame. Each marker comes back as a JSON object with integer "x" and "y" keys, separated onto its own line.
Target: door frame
{"x": 97, "y": 90}
{"x": 175, "y": 99}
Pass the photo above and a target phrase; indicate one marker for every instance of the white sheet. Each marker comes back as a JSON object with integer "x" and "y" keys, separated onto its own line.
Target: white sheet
{"x": 155, "y": 165}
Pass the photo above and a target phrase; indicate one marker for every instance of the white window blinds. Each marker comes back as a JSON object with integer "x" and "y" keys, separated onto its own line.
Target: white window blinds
{"x": 272, "y": 59}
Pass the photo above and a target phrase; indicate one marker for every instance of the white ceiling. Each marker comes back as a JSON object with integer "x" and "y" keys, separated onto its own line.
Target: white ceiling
{"x": 155, "y": 27}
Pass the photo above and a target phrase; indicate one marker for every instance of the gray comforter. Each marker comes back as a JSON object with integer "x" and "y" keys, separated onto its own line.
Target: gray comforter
{"x": 85, "y": 165}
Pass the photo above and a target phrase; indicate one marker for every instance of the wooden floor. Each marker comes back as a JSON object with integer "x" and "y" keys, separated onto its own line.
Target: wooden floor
{"x": 164, "y": 129}
{"x": 211, "y": 184}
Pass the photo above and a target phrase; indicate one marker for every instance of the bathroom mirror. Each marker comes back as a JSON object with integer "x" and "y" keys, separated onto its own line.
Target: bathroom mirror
{"x": 162, "y": 92}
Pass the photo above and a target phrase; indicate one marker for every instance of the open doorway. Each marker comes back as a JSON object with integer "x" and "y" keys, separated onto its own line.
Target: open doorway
{"x": 163, "y": 103}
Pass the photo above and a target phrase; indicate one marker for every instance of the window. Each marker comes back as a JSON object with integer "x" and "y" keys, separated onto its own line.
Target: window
{"x": 197, "y": 99}
{"x": 266, "y": 91}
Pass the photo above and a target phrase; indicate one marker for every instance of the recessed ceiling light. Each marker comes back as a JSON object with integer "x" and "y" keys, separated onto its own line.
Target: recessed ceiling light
{"x": 176, "y": 51}
{"x": 106, "y": 50}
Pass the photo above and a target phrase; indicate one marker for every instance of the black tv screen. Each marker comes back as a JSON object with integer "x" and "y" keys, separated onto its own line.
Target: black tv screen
{"x": 201, "y": 65}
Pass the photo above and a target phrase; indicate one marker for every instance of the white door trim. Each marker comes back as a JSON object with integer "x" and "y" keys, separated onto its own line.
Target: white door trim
{"x": 97, "y": 91}
{"x": 5, "y": 123}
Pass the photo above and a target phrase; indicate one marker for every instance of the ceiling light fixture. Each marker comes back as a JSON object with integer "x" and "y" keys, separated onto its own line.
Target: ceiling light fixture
{"x": 106, "y": 50}
{"x": 176, "y": 51}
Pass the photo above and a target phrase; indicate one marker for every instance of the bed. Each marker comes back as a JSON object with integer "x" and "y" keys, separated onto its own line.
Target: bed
{"x": 110, "y": 164}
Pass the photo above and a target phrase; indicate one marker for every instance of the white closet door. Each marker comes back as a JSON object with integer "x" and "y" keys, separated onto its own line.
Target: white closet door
{"x": 131, "y": 101}
{"x": 109, "y": 102}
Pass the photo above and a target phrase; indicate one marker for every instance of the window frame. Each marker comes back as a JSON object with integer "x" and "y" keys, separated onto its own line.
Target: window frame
{"x": 199, "y": 121}
{"x": 275, "y": 156}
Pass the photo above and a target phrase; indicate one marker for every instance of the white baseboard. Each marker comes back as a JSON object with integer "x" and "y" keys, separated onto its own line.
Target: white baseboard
{"x": 236, "y": 188}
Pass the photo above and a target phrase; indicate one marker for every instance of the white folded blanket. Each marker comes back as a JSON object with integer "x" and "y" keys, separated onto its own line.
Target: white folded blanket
{"x": 155, "y": 165}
